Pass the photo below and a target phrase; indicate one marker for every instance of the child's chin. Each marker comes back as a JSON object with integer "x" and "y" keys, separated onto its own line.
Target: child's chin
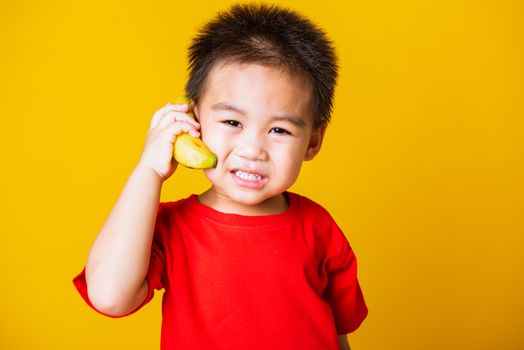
{"x": 250, "y": 200}
{"x": 247, "y": 198}
{"x": 254, "y": 199}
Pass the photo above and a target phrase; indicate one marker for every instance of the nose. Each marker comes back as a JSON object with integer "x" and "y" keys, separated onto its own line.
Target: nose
{"x": 251, "y": 147}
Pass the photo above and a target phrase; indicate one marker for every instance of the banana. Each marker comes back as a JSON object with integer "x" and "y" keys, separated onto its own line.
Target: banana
{"x": 191, "y": 151}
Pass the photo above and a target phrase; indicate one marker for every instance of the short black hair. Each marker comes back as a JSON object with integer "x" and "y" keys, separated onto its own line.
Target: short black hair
{"x": 267, "y": 35}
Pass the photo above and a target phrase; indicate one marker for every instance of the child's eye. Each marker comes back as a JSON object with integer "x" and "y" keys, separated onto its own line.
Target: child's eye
{"x": 233, "y": 123}
{"x": 280, "y": 131}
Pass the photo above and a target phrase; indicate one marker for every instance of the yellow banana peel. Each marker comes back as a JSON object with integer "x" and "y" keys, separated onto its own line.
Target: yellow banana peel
{"x": 191, "y": 151}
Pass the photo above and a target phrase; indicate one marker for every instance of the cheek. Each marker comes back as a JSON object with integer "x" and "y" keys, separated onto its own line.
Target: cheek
{"x": 211, "y": 175}
{"x": 214, "y": 140}
{"x": 289, "y": 161}
{"x": 292, "y": 154}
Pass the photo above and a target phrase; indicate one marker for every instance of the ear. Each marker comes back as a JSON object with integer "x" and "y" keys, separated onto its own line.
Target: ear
{"x": 315, "y": 142}
{"x": 194, "y": 109}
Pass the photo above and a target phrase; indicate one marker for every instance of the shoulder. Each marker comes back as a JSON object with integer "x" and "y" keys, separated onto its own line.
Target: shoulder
{"x": 173, "y": 205}
{"x": 310, "y": 208}
{"x": 180, "y": 204}
{"x": 171, "y": 211}
{"x": 317, "y": 218}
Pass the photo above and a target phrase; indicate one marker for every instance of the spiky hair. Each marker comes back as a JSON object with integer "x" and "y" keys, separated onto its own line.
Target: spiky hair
{"x": 271, "y": 36}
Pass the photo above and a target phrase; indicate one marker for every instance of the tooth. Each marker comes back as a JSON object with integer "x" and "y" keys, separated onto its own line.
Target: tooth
{"x": 247, "y": 176}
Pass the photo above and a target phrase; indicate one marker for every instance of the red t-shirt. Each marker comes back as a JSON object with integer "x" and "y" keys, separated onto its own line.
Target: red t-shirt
{"x": 285, "y": 281}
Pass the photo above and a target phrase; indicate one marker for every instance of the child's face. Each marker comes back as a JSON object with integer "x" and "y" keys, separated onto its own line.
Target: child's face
{"x": 258, "y": 122}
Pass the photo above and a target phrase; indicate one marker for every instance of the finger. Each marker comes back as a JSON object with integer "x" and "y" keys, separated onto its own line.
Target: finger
{"x": 162, "y": 111}
{"x": 184, "y": 117}
{"x": 172, "y": 131}
{"x": 171, "y": 117}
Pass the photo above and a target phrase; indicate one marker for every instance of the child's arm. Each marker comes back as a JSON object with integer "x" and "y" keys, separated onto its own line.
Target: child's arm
{"x": 119, "y": 258}
{"x": 343, "y": 342}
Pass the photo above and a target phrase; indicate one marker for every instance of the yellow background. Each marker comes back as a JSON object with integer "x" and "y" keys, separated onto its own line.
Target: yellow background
{"x": 422, "y": 166}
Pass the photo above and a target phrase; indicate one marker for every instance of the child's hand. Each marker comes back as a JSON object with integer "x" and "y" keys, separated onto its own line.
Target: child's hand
{"x": 167, "y": 123}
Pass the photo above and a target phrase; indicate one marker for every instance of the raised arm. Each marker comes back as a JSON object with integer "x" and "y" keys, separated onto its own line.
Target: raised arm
{"x": 119, "y": 258}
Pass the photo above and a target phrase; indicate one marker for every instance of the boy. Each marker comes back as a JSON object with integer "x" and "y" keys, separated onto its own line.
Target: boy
{"x": 246, "y": 264}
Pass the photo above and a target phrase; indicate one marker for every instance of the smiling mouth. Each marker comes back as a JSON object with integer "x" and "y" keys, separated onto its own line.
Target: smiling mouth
{"x": 248, "y": 176}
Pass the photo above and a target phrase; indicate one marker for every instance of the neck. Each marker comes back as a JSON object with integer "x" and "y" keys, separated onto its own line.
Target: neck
{"x": 271, "y": 206}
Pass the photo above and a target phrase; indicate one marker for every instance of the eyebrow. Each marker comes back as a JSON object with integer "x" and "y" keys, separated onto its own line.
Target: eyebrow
{"x": 224, "y": 106}
{"x": 299, "y": 122}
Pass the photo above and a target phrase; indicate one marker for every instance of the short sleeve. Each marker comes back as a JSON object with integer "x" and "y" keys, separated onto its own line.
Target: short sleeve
{"x": 343, "y": 291}
{"x": 154, "y": 275}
